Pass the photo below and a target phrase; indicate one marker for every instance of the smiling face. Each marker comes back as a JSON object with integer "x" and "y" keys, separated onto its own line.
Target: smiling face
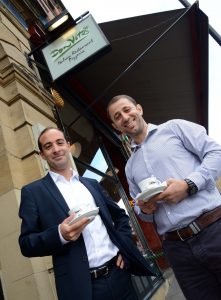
{"x": 55, "y": 150}
{"x": 127, "y": 118}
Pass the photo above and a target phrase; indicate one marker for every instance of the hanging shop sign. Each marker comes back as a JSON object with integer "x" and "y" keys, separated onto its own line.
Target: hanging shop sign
{"x": 75, "y": 46}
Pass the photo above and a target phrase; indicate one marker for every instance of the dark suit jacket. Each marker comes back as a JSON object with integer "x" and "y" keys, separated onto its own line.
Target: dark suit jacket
{"x": 43, "y": 207}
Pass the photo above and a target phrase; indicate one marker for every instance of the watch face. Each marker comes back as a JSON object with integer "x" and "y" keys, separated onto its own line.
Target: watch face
{"x": 192, "y": 188}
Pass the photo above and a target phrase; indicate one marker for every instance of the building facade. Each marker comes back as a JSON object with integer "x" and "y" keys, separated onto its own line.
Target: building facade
{"x": 23, "y": 102}
{"x": 27, "y": 106}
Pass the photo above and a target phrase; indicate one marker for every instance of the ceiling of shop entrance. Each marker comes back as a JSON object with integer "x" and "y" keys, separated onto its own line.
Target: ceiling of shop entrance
{"x": 160, "y": 59}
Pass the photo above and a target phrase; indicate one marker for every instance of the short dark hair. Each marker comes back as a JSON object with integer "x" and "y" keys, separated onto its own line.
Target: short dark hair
{"x": 117, "y": 98}
{"x": 45, "y": 130}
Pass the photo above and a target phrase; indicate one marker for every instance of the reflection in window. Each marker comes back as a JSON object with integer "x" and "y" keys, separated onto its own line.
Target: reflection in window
{"x": 45, "y": 10}
{"x": 14, "y": 11}
{"x": 99, "y": 163}
{"x": 88, "y": 151}
{"x": 50, "y": 9}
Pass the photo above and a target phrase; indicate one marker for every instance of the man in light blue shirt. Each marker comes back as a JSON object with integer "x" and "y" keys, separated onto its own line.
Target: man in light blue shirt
{"x": 188, "y": 212}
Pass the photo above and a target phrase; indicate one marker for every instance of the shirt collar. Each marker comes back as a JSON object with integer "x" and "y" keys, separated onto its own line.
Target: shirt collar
{"x": 135, "y": 146}
{"x": 57, "y": 177}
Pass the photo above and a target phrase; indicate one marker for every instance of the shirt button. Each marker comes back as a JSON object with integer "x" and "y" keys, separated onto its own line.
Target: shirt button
{"x": 168, "y": 212}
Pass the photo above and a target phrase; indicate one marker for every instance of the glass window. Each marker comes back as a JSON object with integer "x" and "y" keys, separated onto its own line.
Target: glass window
{"x": 45, "y": 10}
{"x": 99, "y": 163}
{"x": 88, "y": 150}
{"x": 14, "y": 11}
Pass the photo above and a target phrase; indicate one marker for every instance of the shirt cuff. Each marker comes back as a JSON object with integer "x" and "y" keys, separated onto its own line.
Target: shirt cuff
{"x": 203, "y": 180}
{"x": 63, "y": 241}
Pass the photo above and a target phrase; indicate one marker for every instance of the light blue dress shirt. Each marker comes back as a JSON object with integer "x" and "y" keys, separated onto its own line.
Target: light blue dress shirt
{"x": 177, "y": 149}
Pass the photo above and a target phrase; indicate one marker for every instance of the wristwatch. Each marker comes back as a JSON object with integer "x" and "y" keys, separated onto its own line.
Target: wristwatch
{"x": 192, "y": 188}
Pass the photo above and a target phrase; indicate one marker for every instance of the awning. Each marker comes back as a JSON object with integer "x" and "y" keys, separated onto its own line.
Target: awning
{"x": 159, "y": 59}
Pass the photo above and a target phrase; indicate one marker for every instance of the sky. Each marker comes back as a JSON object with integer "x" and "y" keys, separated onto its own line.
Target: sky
{"x": 115, "y": 9}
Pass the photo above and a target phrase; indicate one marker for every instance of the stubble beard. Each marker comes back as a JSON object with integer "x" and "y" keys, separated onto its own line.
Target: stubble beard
{"x": 57, "y": 166}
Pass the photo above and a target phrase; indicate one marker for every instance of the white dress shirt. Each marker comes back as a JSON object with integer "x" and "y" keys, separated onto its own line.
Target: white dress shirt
{"x": 97, "y": 241}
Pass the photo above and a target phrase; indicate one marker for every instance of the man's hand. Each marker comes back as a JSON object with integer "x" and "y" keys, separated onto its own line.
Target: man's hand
{"x": 72, "y": 232}
{"x": 148, "y": 207}
{"x": 120, "y": 262}
{"x": 175, "y": 192}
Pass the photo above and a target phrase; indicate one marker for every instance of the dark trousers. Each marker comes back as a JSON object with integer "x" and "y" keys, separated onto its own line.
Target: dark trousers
{"x": 196, "y": 263}
{"x": 117, "y": 285}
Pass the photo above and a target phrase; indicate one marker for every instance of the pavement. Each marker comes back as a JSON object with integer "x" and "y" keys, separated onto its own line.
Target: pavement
{"x": 174, "y": 292}
{"x": 170, "y": 289}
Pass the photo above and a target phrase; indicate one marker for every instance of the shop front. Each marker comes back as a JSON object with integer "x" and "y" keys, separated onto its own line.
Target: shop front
{"x": 159, "y": 59}
{"x": 163, "y": 65}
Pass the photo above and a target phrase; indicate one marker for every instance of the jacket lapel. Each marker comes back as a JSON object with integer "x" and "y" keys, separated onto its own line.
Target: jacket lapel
{"x": 54, "y": 191}
{"x": 56, "y": 194}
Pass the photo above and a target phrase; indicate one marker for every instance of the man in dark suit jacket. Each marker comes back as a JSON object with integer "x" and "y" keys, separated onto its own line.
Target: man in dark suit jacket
{"x": 80, "y": 269}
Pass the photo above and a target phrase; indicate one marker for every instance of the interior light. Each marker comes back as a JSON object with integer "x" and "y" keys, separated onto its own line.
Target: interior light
{"x": 57, "y": 23}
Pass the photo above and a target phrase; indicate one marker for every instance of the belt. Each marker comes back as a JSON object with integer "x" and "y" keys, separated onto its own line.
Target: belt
{"x": 104, "y": 269}
{"x": 195, "y": 227}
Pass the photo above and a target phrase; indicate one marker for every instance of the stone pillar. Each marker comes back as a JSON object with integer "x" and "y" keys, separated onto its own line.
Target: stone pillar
{"x": 23, "y": 102}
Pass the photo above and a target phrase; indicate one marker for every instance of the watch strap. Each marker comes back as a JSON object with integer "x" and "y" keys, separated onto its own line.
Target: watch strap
{"x": 192, "y": 188}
